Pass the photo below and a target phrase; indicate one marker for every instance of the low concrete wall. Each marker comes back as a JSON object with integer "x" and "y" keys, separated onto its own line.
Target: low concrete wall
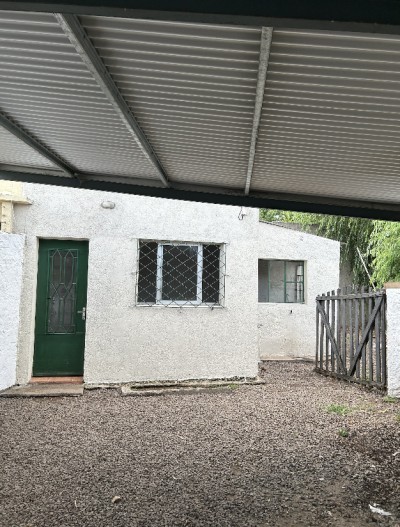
{"x": 11, "y": 264}
{"x": 289, "y": 329}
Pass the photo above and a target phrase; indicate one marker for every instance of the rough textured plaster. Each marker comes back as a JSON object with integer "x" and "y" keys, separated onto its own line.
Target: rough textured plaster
{"x": 11, "y": 263}
{"x": 289, "y": 329}
{"x": 393, "y": 341}
{"x": 125, "y": 342}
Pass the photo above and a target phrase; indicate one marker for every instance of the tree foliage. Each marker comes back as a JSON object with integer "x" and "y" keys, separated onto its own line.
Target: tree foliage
{"x": 385, "y": 252}
{"x": 377, "y": 241}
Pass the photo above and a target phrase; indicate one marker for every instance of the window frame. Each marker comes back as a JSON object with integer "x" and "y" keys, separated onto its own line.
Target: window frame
{"x": 285, "y": 282}
{"x": 160, "y": 270}
{"x": 198, "y": 303}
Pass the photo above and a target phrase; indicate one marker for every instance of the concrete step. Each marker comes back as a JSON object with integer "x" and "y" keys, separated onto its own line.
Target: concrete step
{"x": 44, "y": 390}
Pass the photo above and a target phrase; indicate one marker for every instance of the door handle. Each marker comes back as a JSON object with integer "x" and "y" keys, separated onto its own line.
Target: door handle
{"x": 83, "y": 312}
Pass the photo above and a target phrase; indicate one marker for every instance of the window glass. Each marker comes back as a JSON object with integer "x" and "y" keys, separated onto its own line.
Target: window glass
{"x": 263, "y": 280}
{"x": 276, "y": 281}
{"x": 180, "y": 278}
{"x": 147, "y": 282}
{"x": 280, "y": 281}
{"x": 211, "y": 274}
{"x": 291, "y": 271}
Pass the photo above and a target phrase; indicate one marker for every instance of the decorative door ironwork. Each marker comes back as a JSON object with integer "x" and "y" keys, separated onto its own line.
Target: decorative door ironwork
{"x": 63, "y": 271}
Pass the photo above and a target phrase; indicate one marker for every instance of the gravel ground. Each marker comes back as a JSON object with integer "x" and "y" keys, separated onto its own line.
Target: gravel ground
{"x": 255, "y": 456}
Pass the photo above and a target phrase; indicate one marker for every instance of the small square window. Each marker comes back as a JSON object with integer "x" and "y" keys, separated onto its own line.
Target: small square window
{"x": 281, "y": 281}
{"x": 180, "y": 273}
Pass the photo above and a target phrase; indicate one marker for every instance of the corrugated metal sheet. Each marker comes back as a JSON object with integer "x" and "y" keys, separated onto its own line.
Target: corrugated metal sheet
{"x": 13, "y": 151}
{"x": 46, "y": 89}
{"x": 330, "y": 122}
{"x": 192, "y": 89}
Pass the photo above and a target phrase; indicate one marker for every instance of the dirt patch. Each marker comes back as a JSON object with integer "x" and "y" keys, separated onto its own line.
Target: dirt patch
{"x": 268, "y": 455}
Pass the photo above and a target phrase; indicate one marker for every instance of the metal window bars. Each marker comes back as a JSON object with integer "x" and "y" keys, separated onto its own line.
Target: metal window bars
{"x": 180, "y": 274}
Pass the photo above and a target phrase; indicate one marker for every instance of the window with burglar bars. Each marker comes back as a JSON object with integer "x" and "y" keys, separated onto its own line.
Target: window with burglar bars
{"x": 281, "y": 281}
{"x": 182, "y": 274}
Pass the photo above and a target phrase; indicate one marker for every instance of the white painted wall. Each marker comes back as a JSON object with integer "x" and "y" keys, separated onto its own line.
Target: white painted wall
{"x": 125, "y": 342}
{"x": 289, "y": 329}
{"x": 11, "y": 264}
{"x": 393, "y": 338}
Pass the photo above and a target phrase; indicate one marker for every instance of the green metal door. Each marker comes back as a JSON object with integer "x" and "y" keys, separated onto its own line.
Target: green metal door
{"x": 60, "y": 308}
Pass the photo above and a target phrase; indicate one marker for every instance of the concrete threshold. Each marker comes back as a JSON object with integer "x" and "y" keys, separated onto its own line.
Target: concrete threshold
{"x": 283, "y": 358}
{"x": 185, "y": 387}
{"x": 44, "y": 390}
{"x": 57, "y": 380}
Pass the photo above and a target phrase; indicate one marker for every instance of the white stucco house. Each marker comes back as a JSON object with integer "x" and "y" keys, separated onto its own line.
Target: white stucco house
{"x": 122, "y": 288}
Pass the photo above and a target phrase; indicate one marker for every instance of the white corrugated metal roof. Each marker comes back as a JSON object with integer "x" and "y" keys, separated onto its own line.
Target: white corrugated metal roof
{"x": 191, "y": 88}
{"x": 47, "y": 89}
{"x": 329, "y": 123}
{"x": 15, "y": 152}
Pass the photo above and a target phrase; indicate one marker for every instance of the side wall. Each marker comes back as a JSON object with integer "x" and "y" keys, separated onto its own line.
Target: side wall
{"x": 289, "y": 329}
{"x": 125, "y": 342}
{"x": 11, "y": 264}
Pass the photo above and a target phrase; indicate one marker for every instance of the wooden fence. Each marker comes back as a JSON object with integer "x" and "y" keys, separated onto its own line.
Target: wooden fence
{"x": 351, "y": 336}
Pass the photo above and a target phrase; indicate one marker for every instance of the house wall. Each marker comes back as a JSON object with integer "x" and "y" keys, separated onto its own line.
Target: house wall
{"x": 125, "y": 342}
{"x": 289, "y": 329}
{"x": 11, "y": 263}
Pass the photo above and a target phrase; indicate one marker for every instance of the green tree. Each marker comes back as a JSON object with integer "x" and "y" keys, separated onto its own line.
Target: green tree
{"x": 385, "y": 252}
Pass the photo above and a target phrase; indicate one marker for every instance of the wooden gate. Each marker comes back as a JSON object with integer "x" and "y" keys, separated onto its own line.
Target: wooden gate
{"x": 351, "y": 336}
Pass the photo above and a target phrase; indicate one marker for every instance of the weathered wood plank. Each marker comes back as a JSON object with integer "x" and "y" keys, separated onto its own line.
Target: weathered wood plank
{"x": 354, "y": 295}
{"x": 331, "y": 337}
{"x": 351, "y": 329}
{"x": 344, "y": 377}
{"x": 365, "y": 334}
{"x": 383, "y": 342}
{"x": 327, "y": 311}
{"x": 333, "y": 311}
{"x": 357, "y": 332}
{"x": 363, "y": 350}
{"x": 338, "y": 328}
{"x": 321, "y": 305}
{"x": 343, "y": 304}
{"x": 378, "y": 356}
{"x": 370, "y": 343}
{"x": 317, "y": 333}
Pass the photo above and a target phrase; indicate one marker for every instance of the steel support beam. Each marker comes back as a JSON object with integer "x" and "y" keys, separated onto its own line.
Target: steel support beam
{"x": 88, "y": 53}
{"x": 41, "y": 149}
{"x": 368, "y": 16}
{"x": 265, "y": 46}
{"x": 300, "y": 203}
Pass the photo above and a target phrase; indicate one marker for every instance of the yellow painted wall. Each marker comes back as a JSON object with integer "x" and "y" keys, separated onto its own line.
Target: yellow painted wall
{"x": 11, "y": 188}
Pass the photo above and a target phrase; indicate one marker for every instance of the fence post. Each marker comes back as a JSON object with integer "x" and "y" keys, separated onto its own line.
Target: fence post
{"x": 393, "y": 338}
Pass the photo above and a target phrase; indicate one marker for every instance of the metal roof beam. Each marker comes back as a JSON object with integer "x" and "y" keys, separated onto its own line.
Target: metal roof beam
{"x": 40, "y": 148}
{"x": 265, "y": 46}
{"x": 186, "y": 192}
{"x": 88, "y": 53}
{"x": 375, "y": 16}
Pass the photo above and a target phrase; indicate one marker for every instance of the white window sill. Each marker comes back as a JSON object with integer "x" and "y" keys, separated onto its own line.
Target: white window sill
{"x": 282, "y": 303}
{"x": 183, "y": 306}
